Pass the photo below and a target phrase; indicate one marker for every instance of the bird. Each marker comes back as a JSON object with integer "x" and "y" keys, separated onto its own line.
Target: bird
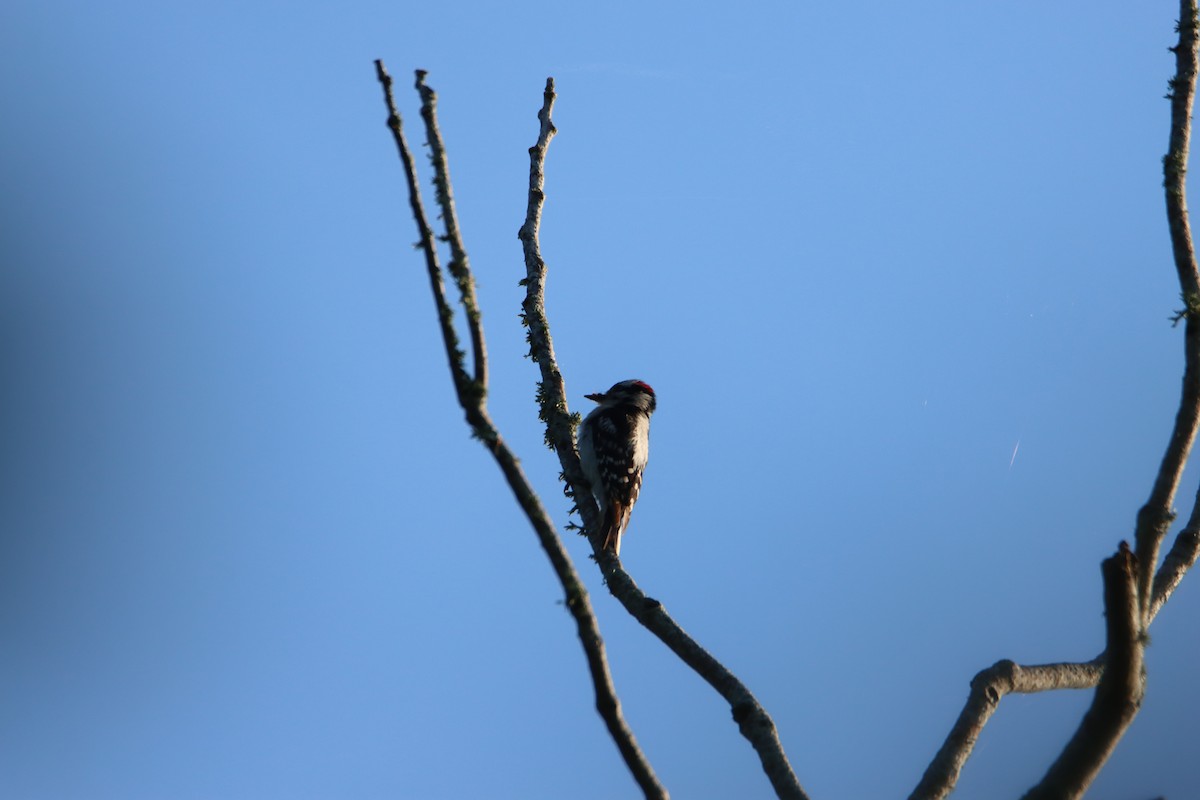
{"x": 614, "y": 445}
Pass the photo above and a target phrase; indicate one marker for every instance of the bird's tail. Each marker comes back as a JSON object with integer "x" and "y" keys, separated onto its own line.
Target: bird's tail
{"x": 616, "y": 517}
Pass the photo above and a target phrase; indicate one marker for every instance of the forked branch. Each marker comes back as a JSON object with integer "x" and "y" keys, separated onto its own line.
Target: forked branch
{"x": 1089, "y": 750}
{"x": 1117, "y": 698}
{"x": 988, "y": 688}
{"x": 1156, "y": 516}
{"x": 472, "y": 396}
{"x": 990, "y": 685}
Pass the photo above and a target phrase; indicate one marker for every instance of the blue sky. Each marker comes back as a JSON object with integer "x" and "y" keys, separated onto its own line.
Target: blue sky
{"x": 865, "y": 253}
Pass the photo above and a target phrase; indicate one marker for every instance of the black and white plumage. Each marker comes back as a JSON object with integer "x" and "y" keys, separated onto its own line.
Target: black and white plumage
{"x": 614, "y": 445}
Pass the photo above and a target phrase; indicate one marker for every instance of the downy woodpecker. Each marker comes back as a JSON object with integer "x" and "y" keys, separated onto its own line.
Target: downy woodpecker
{"x": 614, "y": 444}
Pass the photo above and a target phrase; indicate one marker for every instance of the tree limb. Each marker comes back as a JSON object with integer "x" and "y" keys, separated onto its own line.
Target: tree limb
{"x": 1117, "y": 698}
{"x": 753, "y": 720}
{"x": 459, "y": 265}
{"x": 751, "y": 717}
{"x": 534, "y": 318}
{"x": 1155, "y": 517}
{"x": 472, "y": 396}
{"x": 454, "y": 354}
{"x": 1005, "y": 677}
{"x": 1177, "y": 562}
{"x": 988, "y": 688}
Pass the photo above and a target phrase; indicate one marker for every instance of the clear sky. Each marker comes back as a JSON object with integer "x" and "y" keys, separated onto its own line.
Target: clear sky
{"x": 899, "y": 273}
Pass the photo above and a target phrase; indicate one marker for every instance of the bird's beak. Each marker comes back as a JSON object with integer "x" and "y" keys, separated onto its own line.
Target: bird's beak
{"x": 595, "y": 397}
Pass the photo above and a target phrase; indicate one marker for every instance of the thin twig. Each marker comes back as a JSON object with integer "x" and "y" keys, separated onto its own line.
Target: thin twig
{"x": 454, "y": 354}
{"x": 1117, "y": 698}
{"x": 752, "y": 719}
{"x": 534, "y": 318}
{"x": 1182, "y": 93}
{"x": 1176, "y": 563}
{"x": 472, "y": 397}
{"x": 1155, "y": 517}
{"x": 552, "y": 402}
{"x": 459, "y": 265}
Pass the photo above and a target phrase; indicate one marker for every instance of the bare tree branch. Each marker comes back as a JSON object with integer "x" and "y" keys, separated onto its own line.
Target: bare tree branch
{"x": 472, "y": 396}
{"x": 1182, "y": 95}
{"x": 988, "y": 688}
{"x": 534, "y": 317}
{"x": 1177, "y": 562}
{"x": 1117, "y": 698}
{"x": 454, "y": 354}
{"x": 1155, "y": 517}
{"x": 551, "y": 395}
{"x": 459, "y": 266}
{"x": 751, "y": 717}
{"x": 1005, "y": 677}
{"x": 753, "y": 720}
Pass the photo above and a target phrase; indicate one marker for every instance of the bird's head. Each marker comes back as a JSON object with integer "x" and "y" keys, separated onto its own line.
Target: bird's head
{"x": 637, "y": 394}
